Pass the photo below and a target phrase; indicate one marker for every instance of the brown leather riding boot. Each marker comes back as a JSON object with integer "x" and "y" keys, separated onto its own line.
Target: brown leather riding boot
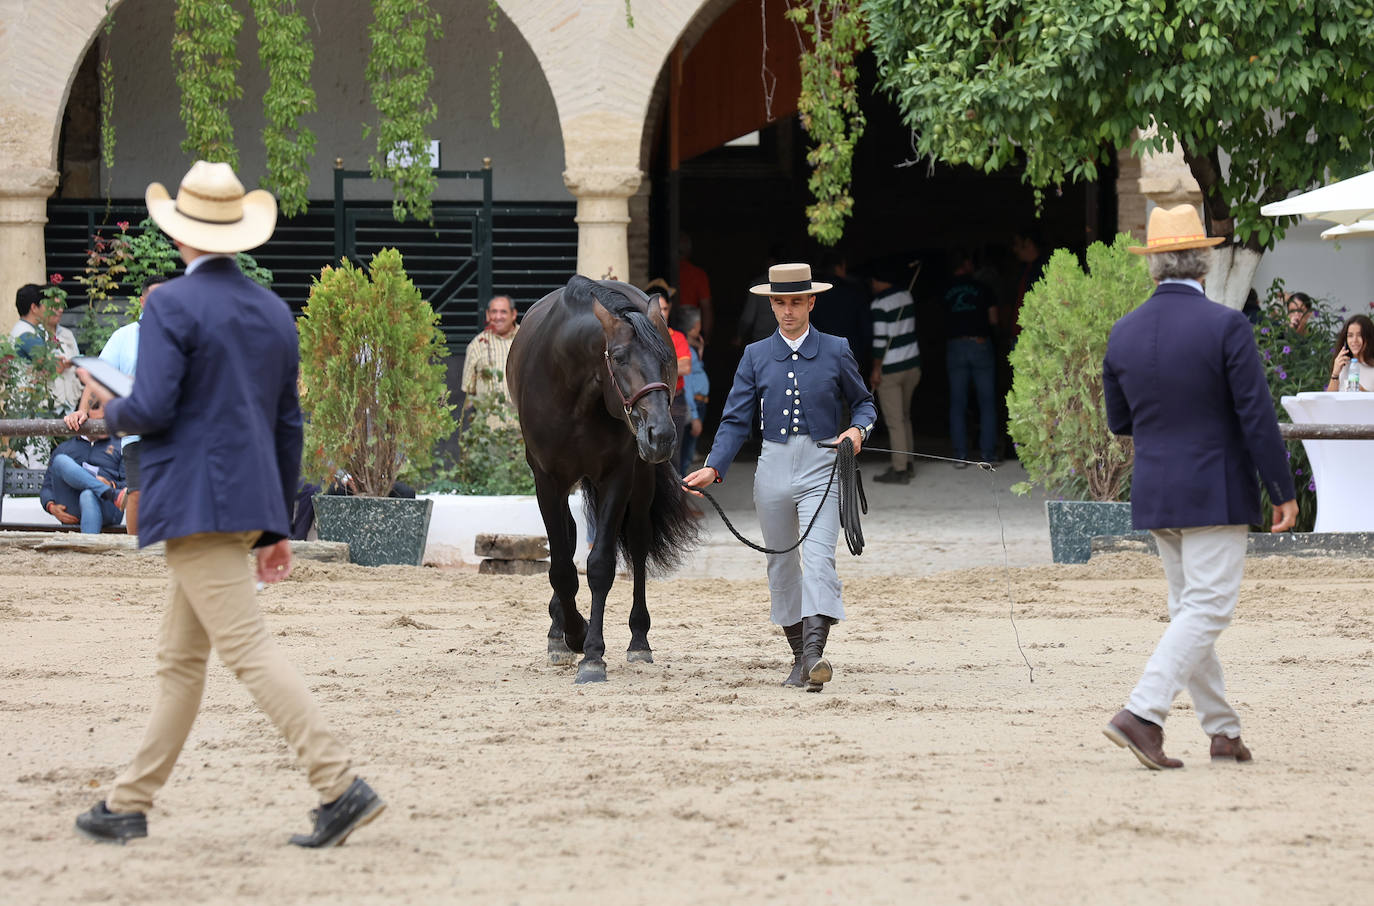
{"x": 815, "y": 631}
{"x": 1224, "y": 748}
{"x": 794, "y": 638}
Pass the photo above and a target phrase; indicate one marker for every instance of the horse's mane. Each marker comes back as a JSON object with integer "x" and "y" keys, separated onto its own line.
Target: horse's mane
{"x": 619, "y": 304}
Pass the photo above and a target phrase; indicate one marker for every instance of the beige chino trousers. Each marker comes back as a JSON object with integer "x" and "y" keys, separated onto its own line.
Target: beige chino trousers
{"x": 213, "y": 604}
{"x": 894, "y": 397}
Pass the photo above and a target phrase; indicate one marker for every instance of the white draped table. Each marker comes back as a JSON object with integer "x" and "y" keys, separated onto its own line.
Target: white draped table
{"x": 1342, "y": 469}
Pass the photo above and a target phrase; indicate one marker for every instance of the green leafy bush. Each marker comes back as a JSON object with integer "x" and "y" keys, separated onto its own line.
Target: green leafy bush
{"x": 26, "y": 391}
{"x": 372, "y": 365}
{"x": 1293, "y": 363}
{"x": 492, "y": 457}
{"x": 1058, "y": 421}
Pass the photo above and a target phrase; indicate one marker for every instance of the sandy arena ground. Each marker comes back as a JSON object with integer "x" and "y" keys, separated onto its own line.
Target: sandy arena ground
{"x": 930, "y": 771}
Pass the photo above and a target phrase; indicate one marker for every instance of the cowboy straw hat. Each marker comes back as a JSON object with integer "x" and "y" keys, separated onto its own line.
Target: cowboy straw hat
{"x": 789, "y": 280}
{"x": 1173, "y": 230}
{"x": 211, "y": 212}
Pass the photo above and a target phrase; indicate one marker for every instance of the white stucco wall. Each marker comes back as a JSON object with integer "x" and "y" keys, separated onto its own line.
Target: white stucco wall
{"x": 1341, "y": 273}
{"x": 527, "y": 150}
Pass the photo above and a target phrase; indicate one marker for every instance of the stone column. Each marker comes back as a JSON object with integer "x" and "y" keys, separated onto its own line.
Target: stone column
{"x": 24, "y": 196}
{"x": 603, "y": 218}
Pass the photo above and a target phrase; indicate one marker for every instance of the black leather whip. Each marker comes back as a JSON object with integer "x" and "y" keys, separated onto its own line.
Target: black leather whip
{"x": 851, "y": 492}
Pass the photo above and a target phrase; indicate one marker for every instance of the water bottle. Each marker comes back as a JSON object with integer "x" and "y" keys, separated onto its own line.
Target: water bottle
{"x": 1352, "y": 375}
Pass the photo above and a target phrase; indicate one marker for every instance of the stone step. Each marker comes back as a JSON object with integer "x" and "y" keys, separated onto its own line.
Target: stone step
{"x": 502, "y": 546}
{"x": 494, "y": 567}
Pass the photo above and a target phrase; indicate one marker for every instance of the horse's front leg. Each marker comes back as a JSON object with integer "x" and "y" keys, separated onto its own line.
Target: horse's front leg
{"x": 640, "y": 532}
{"x": 567, "y": 629}
{"x": 600, "y": 576}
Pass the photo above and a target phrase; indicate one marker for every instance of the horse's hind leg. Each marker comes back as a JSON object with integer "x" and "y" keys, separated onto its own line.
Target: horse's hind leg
{"x": 640, "y": 532}
{"x": 567, "y": 629}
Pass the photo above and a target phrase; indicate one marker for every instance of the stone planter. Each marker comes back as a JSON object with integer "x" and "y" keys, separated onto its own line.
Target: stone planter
{"x": 378, "y": 530}
{"x": 1074, "y": 524}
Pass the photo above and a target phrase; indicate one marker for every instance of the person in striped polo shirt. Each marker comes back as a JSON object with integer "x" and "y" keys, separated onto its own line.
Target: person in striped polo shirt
{"x": 896, "y": 363}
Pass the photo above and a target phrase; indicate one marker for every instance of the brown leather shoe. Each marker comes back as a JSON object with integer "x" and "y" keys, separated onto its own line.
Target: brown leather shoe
{"x": 1224, "y": 748}
{"x": 1146, "y": 741}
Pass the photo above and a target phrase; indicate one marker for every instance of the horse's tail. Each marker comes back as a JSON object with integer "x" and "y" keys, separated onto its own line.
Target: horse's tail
{"x": 673, "y": 526}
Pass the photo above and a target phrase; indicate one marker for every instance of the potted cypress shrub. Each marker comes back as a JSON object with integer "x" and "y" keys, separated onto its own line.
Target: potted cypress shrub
{"x": 375, "y": 402}
{"x": 1057, "y": 417}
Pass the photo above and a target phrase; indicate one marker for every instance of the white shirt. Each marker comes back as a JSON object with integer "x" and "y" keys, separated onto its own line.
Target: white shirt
{"x": 1186, "y": 281}
{"x": 794, "y": 345}
{"x": 191, "y": 268}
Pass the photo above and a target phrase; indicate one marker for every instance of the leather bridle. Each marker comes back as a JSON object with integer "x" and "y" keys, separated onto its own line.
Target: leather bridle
{"x": 638, "y": 394}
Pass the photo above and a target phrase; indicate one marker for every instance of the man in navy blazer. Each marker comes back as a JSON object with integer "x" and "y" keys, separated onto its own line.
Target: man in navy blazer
{"x": 218, "y": 358}
{"x": 1183, "y": 378}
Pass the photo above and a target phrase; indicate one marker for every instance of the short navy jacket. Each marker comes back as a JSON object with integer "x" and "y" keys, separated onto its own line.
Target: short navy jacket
{"x": 822, "y": 373}
{"x": 215, "y": 401}
{"x": 1183, "y": 377}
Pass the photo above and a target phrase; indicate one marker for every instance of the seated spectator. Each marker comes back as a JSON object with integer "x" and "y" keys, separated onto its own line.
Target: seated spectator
{"x": 1299, "y": 311}
{"x": 66, "y": 389}
{"x": 27, "y": 332}
{"x": 84, "y": 484}
{"x": 1357, "y": 335}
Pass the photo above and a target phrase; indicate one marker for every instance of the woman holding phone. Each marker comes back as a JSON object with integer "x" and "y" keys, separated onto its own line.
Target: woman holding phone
{"x": 1357, "y": 335}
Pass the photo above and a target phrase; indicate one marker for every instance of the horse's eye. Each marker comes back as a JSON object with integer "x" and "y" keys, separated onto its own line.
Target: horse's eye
{"x": 621, "y": 356}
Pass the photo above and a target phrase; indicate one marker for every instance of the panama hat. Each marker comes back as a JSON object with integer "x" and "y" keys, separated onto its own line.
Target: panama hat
{"x": 789, "y": 280}
{"x": 1173, "y": 230}
{"x": 211, "y": 212}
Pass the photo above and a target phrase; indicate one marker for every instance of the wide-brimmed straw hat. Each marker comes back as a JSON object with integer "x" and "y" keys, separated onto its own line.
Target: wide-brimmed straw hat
{"x": 1173, "y": 230}
{"x": 789, "y": 280}
{"x": 211, "y": 212}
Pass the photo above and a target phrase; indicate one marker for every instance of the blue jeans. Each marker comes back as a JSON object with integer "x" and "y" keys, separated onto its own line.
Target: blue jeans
{"x": 970, "y": 360}
{"x": 79, "y": 491}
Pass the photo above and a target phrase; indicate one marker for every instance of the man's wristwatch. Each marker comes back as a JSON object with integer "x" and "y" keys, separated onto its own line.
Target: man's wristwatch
{"x": 863, "y": 432}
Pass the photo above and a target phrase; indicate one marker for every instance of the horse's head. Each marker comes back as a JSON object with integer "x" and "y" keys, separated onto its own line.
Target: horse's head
{"x": 640, "y": 368}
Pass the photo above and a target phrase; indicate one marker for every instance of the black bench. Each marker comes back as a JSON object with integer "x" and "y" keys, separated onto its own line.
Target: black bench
{"x": 17, "y": 482}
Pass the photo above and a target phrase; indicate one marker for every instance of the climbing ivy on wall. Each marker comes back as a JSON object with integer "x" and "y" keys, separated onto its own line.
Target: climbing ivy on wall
{"x": 286, "y": 53}
{"x": 107, "y": 93}
{"x": 400, "y": 75}
{"x": 493, "y": 17}
{"x": 829, "y": 107}
{"x": 206, "y": 62}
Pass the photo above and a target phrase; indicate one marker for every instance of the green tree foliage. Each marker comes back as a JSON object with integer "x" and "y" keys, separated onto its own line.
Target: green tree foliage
{"x": 1282, "y": 88}
{"x": 399, "y": 72}
{"x": 286, "y": 52}
{"x": 1055, "y": 408}
{"x": 829, "y": 108}
{"x": 204, "y": 52}
{"x": 107, "y": 95}
{"x": 372, "y": 363}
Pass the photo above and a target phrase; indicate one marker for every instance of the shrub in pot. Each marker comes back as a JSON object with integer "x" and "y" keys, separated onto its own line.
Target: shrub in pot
{"x": 1057, "y": 417}
{"x": 375, "y": 399}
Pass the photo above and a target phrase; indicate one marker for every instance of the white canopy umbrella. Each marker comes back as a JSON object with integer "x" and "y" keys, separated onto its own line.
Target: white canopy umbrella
{"x": 1359, "y": 228}
{"x": 1344, "y": 202}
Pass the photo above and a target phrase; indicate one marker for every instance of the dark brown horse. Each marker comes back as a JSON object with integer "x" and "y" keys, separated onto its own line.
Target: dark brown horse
{"x": 592, "y": 372}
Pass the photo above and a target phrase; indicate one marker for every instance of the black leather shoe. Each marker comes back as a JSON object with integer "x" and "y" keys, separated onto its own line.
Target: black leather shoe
{"x": 111, "y": 827}
{"x": 336, "y": 820}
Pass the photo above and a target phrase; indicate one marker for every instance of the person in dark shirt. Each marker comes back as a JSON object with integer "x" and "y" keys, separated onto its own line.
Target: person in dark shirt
{"x": 970, "y": 318}
{"x": 844, "y": 311}
{"x": 85, "y": 484}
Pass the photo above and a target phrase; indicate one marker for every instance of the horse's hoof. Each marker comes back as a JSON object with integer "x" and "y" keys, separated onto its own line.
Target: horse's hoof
{"x": 640, "y": 657}
{"x": 591, "y": 672}
{"x": 560, "y": 655}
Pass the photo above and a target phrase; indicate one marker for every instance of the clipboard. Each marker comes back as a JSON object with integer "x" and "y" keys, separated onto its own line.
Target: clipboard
{"x": 105, "y": 374}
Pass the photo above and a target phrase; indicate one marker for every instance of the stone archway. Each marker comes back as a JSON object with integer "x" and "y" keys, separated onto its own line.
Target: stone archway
{"x": 44, "y": 46}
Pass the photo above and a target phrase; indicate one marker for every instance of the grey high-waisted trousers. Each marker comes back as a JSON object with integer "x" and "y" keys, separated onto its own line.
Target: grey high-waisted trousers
{"x": 788, "y": 486}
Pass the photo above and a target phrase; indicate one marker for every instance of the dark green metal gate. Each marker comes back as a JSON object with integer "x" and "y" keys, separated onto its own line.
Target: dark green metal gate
{"x": 450, "y": 260}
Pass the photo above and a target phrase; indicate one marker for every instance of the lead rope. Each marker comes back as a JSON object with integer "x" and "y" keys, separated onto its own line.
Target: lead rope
{"x": 851, "y": 489}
